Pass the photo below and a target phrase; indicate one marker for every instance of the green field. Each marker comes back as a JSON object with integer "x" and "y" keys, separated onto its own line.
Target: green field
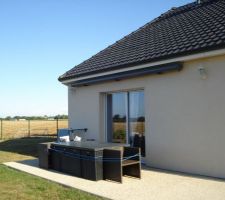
{"x": 15, "y": 185}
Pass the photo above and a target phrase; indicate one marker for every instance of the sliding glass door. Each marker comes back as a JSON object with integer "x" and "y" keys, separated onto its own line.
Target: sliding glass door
{"x": 126, "y": 118}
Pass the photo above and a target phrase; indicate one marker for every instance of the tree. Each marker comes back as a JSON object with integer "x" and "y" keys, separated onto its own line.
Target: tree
{"x": 61, "y": 117}
{"x": 141, "y": 119}
{"x": 8, "y": 118}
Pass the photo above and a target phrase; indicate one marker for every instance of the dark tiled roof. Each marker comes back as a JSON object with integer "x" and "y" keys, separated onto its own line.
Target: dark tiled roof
{"x": 180, "y": 31}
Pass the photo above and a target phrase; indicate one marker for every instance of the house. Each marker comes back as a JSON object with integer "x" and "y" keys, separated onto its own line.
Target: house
{"x": 21, "y": 119}
{"x": 162, "y": 88}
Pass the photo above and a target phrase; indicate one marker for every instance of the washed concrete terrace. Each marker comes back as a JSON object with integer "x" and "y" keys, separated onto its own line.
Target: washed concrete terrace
{"x": 154, "y": 185}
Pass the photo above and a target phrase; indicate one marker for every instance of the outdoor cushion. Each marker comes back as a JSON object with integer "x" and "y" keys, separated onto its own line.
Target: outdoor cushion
{"x": 64, "y": 138}
{"x": 77, "y": 139}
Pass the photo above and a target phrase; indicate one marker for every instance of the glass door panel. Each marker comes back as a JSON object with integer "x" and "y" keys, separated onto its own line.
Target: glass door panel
{"x": 117, "y": 117}
{"x": 137, "y": 120}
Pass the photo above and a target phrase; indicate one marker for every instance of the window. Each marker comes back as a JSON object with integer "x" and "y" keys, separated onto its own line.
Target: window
{"x": 126, "y": 118}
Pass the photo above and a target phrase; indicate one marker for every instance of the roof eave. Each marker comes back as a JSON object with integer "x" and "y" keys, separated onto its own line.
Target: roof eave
{"x": 70, "y": 80}
{"x": 166, "y": 59}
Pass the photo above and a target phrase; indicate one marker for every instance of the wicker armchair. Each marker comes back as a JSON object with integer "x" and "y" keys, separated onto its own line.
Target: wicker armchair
{"x": 121, "y": 161}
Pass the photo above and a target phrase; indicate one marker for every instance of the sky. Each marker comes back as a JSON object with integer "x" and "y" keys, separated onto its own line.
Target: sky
{"x": 136, "y": 104}
{"x": 42, "y": 39}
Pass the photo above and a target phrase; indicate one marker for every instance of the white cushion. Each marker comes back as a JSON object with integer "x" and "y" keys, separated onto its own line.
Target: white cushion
{"x": 77, "y": 139}
{"x": 64, "y": 139}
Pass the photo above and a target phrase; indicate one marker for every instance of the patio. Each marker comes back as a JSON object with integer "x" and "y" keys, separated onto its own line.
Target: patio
{"x": 155, "y": 184}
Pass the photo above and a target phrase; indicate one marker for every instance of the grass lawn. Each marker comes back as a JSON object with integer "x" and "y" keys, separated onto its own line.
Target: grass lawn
{"x": 19, "y": 185}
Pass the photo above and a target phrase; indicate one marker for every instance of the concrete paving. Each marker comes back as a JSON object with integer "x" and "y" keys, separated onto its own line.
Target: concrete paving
{"x": 154, "y": 185}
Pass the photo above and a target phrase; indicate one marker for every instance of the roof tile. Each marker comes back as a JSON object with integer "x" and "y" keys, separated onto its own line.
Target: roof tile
{"x": 186, "y": 29}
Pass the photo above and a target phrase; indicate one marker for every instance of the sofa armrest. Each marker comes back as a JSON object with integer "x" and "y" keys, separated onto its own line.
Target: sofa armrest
{"x": 132, "y": 151}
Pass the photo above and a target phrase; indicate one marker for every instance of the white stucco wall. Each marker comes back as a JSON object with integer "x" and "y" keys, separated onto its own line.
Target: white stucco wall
{"x": 185, "y": 116}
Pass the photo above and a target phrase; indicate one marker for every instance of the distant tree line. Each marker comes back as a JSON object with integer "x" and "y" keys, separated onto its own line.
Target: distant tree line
{"x": 35, "y": 117}
{"x": 119, "y": 118}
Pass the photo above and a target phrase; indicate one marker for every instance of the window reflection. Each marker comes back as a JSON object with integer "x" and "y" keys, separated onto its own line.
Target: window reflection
{"x": 117, "y": 120}
{"x": 126, "y": 118}
{"x": 137, "y": 120}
